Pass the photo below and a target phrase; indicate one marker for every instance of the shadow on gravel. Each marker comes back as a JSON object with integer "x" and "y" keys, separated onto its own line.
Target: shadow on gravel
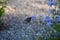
{"x": 4, "y": 26}
{"x": 12, "y": 20}
{"x": 11, "y": 23}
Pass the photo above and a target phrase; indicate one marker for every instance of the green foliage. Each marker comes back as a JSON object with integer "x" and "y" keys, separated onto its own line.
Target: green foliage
{"x": 3, "y": 4}
{"x": 57, "y": 38}
{"x": 1, "y": 11}
{"x": 56, "y": 26}
{"x": 54, "y": 38}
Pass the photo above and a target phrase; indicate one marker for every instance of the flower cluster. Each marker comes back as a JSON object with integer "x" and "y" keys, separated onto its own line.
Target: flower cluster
{"x": 52, "y": 23}
{"x": 51, "y": 10}
{"x": 48, "y": 22}
{"x": 57, "y": 17}
{"x": 47, "y": 19}
{"x": 33, "y": 17}
{"x": 55, "y": 25}
{"x": 51, "y": 2}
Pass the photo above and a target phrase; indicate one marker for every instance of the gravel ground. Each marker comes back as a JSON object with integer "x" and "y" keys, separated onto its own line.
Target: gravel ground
{"x": 16, "y": 12}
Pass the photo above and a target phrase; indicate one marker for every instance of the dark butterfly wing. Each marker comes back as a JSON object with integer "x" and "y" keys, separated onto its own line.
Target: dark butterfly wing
{"x": 27, "y": 20}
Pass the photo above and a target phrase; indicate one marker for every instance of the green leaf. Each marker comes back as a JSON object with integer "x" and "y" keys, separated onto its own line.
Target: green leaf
{"x": 1, "y": 11}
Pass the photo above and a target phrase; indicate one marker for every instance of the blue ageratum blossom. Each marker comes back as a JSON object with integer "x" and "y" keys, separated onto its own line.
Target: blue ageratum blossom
{"x": 56, "y": 34}
{"x": 57, "y": 17}
{"x": 51, "y": 11}
{"x": 49, "y": 24}
{"x": 54, "y": 3}
{"x": 47, "y": 19}
{"x": 51, "y": 2}
{"x": 33, "y": 17}
{"x": 42, "y": 29}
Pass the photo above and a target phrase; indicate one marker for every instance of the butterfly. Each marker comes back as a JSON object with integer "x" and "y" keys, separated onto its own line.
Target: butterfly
{"x": 27, "y": 20}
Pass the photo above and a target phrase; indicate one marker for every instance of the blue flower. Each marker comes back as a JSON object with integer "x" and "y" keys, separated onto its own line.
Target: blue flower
{"x": 47, "y": 19}
{"x": 51, "y": 10}
{"x": 57, "y": 34}
{"x": 57, "y": 17}
{"x": 49, "y": 24}
{"x": 54, "y": 3}
{"x": 51, "y": 2}
{"x": 42, "y": 29}
{"x": 33, "y": 17}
